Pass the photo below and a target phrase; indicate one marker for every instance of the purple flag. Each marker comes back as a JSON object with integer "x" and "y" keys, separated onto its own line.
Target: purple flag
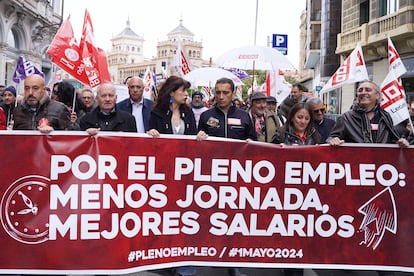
{"x": 24, "y": 69}
{"x": 241, "y": 74}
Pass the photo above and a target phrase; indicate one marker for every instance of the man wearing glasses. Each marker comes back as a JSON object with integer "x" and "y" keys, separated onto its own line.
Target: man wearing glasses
{"x": 136, "y": 104}
{"x": 323, "y": 125}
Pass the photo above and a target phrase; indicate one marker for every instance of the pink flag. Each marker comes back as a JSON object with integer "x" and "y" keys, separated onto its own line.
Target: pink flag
{"x": 352, "y": 70}
{"x": 94, "y": 58}
{"x": 393, "y": 95}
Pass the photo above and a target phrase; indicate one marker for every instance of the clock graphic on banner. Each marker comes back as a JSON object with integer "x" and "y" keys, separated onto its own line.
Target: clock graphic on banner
{"x": 25, "y": 209}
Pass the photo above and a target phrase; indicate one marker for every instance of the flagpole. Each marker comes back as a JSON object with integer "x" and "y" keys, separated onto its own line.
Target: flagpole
{"x": 255, "y": 24}
{"x": 255, "y": 35}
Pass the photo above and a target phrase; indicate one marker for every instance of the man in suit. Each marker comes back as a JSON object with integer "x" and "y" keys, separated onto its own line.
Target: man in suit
{"x": 136, "y": 104}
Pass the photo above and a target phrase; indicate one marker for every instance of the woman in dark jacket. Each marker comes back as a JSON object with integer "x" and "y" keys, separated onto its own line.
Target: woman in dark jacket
{"x": 298, "y": 129}
{"x": 171, "y": 113}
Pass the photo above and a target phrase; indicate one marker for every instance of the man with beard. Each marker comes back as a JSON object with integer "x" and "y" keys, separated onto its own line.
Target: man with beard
{"x": 8, "y": 105}
{"x": 265, "y": 121}
{"x": 38, "y": 111}
{"x": 197, "y": 105}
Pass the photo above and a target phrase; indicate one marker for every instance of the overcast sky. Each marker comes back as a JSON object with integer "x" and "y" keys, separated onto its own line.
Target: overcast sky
{"x": 220, "y": 24}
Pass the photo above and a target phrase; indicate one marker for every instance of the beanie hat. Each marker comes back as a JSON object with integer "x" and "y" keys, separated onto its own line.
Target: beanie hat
{"x": 11, "y": 89}
{"x": 197, "y": 93}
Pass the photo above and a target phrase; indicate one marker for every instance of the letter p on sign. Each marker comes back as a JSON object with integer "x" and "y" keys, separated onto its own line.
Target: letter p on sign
{"x": 280, "y": 42}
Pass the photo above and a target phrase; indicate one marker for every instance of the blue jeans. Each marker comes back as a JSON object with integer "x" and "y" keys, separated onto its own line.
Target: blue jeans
{"x": 185, "y": 270}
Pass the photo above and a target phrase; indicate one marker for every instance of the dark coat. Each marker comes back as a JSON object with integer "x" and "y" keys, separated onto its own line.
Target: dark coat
{"x": 287, "y": 104}
{"x": 57, "y": 114}
{"x": 288, "y": 137}
{"x": 354, "y": 127}
{"x": 126, "y": 105}
{"x": 118, "y": 120}
{"x": 161, "y": 121}
{"x": 235, "y": 124}
{"x": 324, "y": 128}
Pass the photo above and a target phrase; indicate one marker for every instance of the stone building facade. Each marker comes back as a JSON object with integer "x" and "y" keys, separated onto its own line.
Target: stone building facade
{"x": 26, "y": 29}
{"x": 126, "y": 57}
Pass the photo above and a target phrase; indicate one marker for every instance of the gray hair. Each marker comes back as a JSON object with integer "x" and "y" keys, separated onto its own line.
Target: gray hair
{"x": 376, "y": 86}
{"x": 313, "y": 101}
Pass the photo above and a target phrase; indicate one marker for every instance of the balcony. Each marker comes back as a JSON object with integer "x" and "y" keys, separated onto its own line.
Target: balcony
{"x": 375, "y": 32}
{"x": 348, "y": 40}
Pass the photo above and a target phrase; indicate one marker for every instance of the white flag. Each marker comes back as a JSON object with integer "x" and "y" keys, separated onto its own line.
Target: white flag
{"x": 352, "y": 70}
{"x": 279, "y": 87}
{"x": 276, "y": 86}
{"x": 180, "y": 62}
{"x": 396, "y": 65}
{"x": 393, "y": 94}
{"x": 148, "y": 83}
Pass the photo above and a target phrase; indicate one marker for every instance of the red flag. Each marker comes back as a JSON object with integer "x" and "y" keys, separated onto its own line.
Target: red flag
{"x": 94, "y": 58}
{"x": 268, "y": 84}
{"x": 64, "y": 51}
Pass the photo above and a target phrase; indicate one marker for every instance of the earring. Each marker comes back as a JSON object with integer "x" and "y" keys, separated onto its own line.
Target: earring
{"x": 171, "y": 100}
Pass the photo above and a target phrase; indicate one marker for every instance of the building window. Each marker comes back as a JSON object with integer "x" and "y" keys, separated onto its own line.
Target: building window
{"x": 389, "y": 6}
{"x": 364, "y": 12}
{"x": 12, "y": 39}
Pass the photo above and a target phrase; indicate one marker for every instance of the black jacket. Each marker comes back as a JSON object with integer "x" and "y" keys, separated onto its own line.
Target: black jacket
{"x": 288, "y": 137}
{"x": 235, "y": 124}
{"x": 161, "y": 121}
{"x": 118, "y": 120}
{"x": 354, "y": 127}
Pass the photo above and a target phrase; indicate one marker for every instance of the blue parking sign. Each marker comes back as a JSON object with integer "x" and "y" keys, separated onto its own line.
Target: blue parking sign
{"x": 280, "y": 42}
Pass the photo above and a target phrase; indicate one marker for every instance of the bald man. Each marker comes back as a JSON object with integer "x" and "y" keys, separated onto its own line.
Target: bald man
{"x": 137, "y": 105}
{"x": 38, "y": 112}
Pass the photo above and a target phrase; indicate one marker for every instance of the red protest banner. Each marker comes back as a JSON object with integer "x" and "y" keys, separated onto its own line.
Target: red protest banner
{"x": 126, "y": 201}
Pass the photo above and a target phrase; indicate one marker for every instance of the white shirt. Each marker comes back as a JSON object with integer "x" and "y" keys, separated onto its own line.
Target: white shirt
{"x": 137, "y": 113}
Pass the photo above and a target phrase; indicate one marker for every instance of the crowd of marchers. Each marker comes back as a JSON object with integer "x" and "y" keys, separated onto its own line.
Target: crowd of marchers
{"x": 298, "y": 120}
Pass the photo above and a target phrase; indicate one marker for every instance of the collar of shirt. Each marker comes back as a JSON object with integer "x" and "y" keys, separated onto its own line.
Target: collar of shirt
{"x": 141, "y": 102}
{"x": 106, "y": 113}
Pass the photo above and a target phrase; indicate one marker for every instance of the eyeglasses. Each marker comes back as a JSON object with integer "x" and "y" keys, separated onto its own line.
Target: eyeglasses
{"x": 316, "y": 111}
{"x": 135, "y": 86}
